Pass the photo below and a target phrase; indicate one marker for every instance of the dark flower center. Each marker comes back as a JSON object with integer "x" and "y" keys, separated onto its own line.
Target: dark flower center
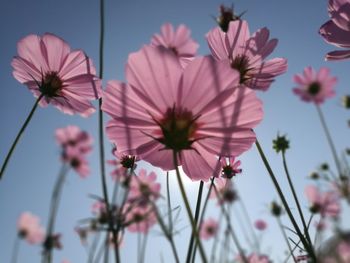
{"x": 127, "y": 161}
{"x": 210, "y": 230}
{"x": 173, "y": 49}
{"x": 226, "y": 16}
{"x": 228, "y": 172}
{"x": 178, "y": 128}
{"x": 314, "y": 88}
{"x": 75, "y": 163}
{"x": 138, "y": 217}
{"x": 229, "y": 195}
{"x": 241, "y": 63}
{"x": 51, "y": 84}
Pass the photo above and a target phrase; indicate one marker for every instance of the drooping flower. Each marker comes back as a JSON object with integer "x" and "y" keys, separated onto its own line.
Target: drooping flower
{"x": 337, "y": 30}
{"x": 76, "y": 144}
{"x": 260, "y": 224}
{"x": 247, "y": 54}
{"x": 230, "y": 168}
{"x": 64, "y": 78}
{"x": 144, "y": 188}
{"x": 178, "y": 41}
{"x": 139, "y": 219}
{"x": 325, "y": 203}
{"x": 208, "y": 229}
{"x": 166, "y": 109}
{"x": 29, "y": 228}
{"x": 314, "y": 86}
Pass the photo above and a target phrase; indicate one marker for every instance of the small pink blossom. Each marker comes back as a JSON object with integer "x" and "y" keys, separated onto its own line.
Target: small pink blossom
{"x": 260, "y": 224}
{"x": 65, "y": 78}
{"x": 144, "y": 188}
{"x": 326, "y": 203}
{"x": 29, "y": 228}
{"x": 225, "y": 191}
{"x": 139, "y": 218}
{"x": 121, "y": 164}
{"x": 230, "y": 168}
{"x": 150, "y": 112}
{"x": 247, "y": 53}
{"x": 178, "y": 41}
{"x": 337, "y": 30}
{"x": 208, "y": 229}
{"x": 254, "y": 258}
{"x": 315, "y": 86}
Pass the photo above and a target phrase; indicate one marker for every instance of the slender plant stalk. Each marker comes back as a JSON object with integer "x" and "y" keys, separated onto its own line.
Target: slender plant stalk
{"x": 188, "y": 209}
{"x": 15, "y": 250}
{"x": 285, "y": 237}
{"x": 196, "y": 217}
{"x": 143, "y": 248}
{"x": 306, "y": 232}
{"x": 55, "y": 201}
{"x": 15, "y": 142}
{"x": 93, "y": 247}
{"x": 285, "y": 204}
{"x": 215, "y": 242}
{"x": 329, "y": 139}
{"x": 249, "y": 221}
{"x": 170, "y": 215}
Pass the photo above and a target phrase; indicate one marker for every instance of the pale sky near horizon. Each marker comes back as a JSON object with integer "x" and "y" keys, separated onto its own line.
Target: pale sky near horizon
{"x": 31, "y": 173}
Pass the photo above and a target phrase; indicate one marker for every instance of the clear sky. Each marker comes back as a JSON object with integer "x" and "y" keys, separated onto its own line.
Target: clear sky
{"x": 30, "y": 175}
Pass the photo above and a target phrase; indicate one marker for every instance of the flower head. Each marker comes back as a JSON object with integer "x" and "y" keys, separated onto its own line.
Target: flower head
{"x": 280, "y": 144}
{"x": 64, "y": 78}
{"x": 139, "y": 218}
{"x": 226, "y": 16}
{"x": 231, "y": 168}
{"x": 337, "y": 30}
{"x": 224, "y": 191}
{"x": 247, "y": 54}
{"x": 260, "y": 224}
{"x": 122, "y": 163}
{"x": 29, "y": 228}
{"x": 178, "y": 41}
{"x": 315, "y": 86}
{"x": 208, "y": 229}
{"x": 166, "y": 109}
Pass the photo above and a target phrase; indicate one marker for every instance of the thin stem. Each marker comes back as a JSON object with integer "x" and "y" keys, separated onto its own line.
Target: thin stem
{"x": 284, "y": 202}
{"x": 143, "y": 248}
{"x": 188, "y": 209}
{"x": 329, "y": 139}
{"x": 216, "y": 241}
{"x": 249, "y": 221}
{"x": 55, "y": 201}
{"x": 306, "y": 232}
{"x": 170, "y": 215}
{"x": 14, "y": 144}
{"x": 196, "y": 216}
{"x": 106, "y": 250}
{"x": 285, "y": 237}
{"x": 15, "y": 249}
{"x": 93, "y": 247}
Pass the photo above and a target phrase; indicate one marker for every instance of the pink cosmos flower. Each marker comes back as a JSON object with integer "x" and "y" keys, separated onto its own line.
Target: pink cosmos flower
{"x": 225, "y": 191}
{"x": 29, "y": 228}
{"x": 327, "y": 203}
{"x": 76, "y": 144}
{"x": 121, "y": 164}
{"x": 144, "y": 188}
{"x": 315, "y": 86}
{"x": 337, "y": 30}
{"x": 51, "y": 70}
{"x": 166, "y": 109}
{"x": 230, "y": 168}
{"x": 260, "y": 224}
{"x": 178, "y": 41}
{"x": 247, "y": 54}
{"x": 208, "y": 229}
{"x": 139, "y": 218}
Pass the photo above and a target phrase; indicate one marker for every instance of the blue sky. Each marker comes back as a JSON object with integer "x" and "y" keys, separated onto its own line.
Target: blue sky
{"x": 31, "y": 173}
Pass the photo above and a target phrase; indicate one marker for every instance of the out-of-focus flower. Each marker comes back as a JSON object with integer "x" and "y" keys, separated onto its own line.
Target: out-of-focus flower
{"x": 326, "y": 203}
{"x": 320, "y": 225}
{"x": 76, "y": 144}
{"x": 122, "y": 163}
{"x": 343, "y": 250}
{"x": 99, "y": 209}
{"x": 178, "y": 41}
{"x": 276, "y": 209}
{"x": 226, "y": 16}
{"x": 247, "y": 54}
{"x": 208, "y": 229}
{"x": 139, "y": 218}
{"x": 29, "y": 228}
{"x": 314, "y": 175}
{"x": 315, "y": 86}
{"x": 254, "y": 258}
{"x": 225, "y": 191}
{"x": 260, "y": 224}
{"x": 66, "y": 79}
{"x": 230, "y": 168}
{"x": 144, "y": 188}
{"x": 280, "y": 144}
{"x": 53, "y": 241}
{"x": 83, "y": 233}
{"x": 337, "y": 30}
{"x": 182, "y": 111}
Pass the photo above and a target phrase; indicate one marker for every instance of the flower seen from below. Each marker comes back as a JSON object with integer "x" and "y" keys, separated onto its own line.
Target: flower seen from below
{"x": 208, "y": 229}
{"x": 30, "y": 229}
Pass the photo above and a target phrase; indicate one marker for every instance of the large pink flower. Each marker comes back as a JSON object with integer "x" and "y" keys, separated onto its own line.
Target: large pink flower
{"x": 315, "y": 86}
{"x": 337, "y": 30}
{"x": 198, "y": 112}
{"x": 325, "y": 203}
{"x": 247, "y": 54}
{"x": 29, "y": 228}
{"x": 179, "y": 41}
{"x": 65, "y": 78}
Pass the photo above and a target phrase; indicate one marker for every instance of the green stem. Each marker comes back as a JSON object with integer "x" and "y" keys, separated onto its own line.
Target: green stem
{"x": 188, "y": 209}
{"x": 93, "y": 247}
{"x": 306, "y": 232}
{"x": 285, "y": 237}
{"x": 329, "y": 139}
{"x": 170, "y": 216}
{"x": 284, "y": 202}
{"x": 196, "y": 216}
{"x": 15, "y": 250}
{"x": 14, "y": 144}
